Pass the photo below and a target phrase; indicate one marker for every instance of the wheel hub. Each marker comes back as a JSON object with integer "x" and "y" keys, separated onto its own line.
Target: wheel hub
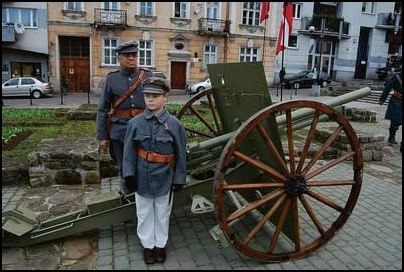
{"x": 296, "y": 185}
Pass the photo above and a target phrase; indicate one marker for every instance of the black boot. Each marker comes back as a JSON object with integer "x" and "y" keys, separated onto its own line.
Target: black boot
{"x": 392, "y": 136}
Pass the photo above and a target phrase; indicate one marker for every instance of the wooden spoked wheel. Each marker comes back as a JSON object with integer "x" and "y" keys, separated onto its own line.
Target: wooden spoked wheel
{"x": 302, "y": 196}
{"x": 211, "y": 126}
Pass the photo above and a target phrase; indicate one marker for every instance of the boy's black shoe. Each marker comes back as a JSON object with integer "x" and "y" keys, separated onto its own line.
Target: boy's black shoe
{"x": 149, "y": 256}
{"x": 160, "y": 254}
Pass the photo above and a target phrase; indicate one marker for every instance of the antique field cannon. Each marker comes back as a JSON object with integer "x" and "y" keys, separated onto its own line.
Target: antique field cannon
{"x": 270, "y": 169}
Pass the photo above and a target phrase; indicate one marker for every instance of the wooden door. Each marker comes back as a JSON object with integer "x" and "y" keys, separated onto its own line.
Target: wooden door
{"x": 76, "y": 71}
{"x": 178, "y": 75}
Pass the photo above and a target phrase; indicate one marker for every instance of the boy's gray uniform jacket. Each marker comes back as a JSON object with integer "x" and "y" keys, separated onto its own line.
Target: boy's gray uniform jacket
{"x": 163, "y": 134}
{"x": 116, "y": 84}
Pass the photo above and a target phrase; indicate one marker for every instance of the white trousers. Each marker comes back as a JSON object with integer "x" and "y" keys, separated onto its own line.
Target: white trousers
{"x": 153, "y": 219}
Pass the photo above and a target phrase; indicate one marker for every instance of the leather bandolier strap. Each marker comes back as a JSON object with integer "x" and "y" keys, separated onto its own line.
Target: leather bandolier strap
{"x": 151, "y": 156}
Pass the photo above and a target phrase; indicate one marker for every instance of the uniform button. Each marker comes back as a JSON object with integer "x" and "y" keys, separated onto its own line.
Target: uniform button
{"x": 132, "y": 105}
{"x": 131, "y": 96}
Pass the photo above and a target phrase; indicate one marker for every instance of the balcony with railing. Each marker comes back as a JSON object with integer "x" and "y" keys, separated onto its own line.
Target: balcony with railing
{"x": 387, "y": 20}
{"x": 334, "y": 27}
{"x": 110, "y": 17}
{"x": 207, "y": 26}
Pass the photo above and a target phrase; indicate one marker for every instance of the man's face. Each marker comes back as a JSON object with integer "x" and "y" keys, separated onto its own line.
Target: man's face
{"x": 128, "y": 60}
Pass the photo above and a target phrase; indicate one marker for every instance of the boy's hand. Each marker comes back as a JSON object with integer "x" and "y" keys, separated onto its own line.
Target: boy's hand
{"x": 177, "y": 187}
{"x": 131, "y": 184}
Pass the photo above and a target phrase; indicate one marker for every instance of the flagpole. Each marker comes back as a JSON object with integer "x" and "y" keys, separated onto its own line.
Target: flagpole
{"x": 263, "y": 43}
{"x": 283, "y": 44}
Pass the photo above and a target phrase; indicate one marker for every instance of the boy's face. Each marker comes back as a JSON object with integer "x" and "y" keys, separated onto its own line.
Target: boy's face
{"x": 155, "y": 102}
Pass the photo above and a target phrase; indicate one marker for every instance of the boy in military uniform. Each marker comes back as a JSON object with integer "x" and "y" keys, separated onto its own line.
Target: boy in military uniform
{"x": 154, "y": 165}
{"x": 116, "y": 84}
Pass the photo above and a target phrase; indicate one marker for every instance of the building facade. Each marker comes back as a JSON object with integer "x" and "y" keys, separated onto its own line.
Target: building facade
{"x": 24, "y": 40}
{"x": 179, "y": 39}
{"x": 77, "y": 40}
{"x": 348, "y": 40}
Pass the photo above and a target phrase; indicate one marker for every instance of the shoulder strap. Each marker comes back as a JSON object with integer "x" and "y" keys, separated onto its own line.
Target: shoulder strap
{"x": 130, "y": 90}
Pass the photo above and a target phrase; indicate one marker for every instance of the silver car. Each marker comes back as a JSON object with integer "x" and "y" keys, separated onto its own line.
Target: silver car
{"x": 24, "y": 86}
{"x": 194, "y": 88}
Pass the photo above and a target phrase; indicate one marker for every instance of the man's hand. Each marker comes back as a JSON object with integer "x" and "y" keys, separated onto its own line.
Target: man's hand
{"x": 103, "y": 146}
{"x": 131, "y": 184}
{"x": 177, "y": 187}
{"x": 380, "y": 103}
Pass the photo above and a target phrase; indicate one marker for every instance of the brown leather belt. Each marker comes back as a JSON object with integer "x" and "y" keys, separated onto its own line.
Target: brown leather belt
{"x": 397, "y": 95}
{"x": 128, "y": 112}
{"x": 155, "y": 157}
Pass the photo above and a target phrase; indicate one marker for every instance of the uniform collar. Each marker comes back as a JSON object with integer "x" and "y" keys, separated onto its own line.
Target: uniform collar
{"x": 162, "y": 117}
{"x": 126, "y": 72}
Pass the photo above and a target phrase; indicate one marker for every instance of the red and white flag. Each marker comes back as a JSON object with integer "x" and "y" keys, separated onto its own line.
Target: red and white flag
{"x": 286, "y": 27}
{"x": 264, "y": 12}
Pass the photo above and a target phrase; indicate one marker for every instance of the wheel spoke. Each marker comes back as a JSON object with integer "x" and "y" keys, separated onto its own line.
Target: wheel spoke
{"x": 318, "y": 154}
{"x": 325, "y": 200}
{"x": 214, "y": 112}
{"x": 253, "y": 205}
{"x": 330, "y": 183}
{"x": 296, "y": 223}
{"x": 261, "y": 166}
{"x": 203, "y": 120}
{"x": 272, "y": 149}
{"x": 309, "y": 139}
{"x": 279, "y": 226}
{"x": 264, "y": 219}
{"x": 235, "y": 187}
{"x": 310, "y": 212}
{"x": 329, "y": 165}
{"x": 289, "y": 132}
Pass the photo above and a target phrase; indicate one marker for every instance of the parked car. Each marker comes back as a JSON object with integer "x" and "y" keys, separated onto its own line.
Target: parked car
{"x": 194, "y": 88}
{"x": 384, "y": 71}
{"x": 304, "y": 79}
{"x": 22, "y": 86}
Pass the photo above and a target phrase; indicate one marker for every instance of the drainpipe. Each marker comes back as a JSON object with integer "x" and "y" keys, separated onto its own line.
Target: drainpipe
{"x": 226, "y": 38}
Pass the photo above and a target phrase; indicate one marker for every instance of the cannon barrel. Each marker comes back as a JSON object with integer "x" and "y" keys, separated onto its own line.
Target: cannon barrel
{"x": 281, "y": 120}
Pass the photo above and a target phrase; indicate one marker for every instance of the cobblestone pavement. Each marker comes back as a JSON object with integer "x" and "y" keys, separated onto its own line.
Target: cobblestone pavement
{"x": 370, "y": 239}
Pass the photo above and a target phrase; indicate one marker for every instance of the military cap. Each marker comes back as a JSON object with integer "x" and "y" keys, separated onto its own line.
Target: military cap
{"x": 155, "y": 85}
{"x": 127, "y": 47}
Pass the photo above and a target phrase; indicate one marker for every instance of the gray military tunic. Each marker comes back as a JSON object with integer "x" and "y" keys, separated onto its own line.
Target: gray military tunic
{"x": 116, "y": 85}
{"x": 395, "y": 106}
{"x": 163, "y": 134}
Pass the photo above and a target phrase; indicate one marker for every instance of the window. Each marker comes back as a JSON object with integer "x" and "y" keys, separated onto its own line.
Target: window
{"x": 209, "y": 54}
{"x": 368, "y": 7}
{"x": 292, "y": 42}
{"x": 213, "y": 10}
{"x": 251, "y": 13}
{"x": 15, "y": 15}
{"x": 248, "y": 54}
{"x": 27, "y": 81}
{"x": 145, "y": 53}
{"x": 74, "y": 6}
{"x": 111, "y": 5}
{"x": 181, "y": 10}
{"x": 297, "y": 11}
{"x": 109, "y": 51}
{"x": 13, "y": 82}
{"x": 145, "y": 8}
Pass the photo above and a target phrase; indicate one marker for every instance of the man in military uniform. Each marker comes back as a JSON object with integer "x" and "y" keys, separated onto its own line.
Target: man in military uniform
{"x": 116, "y": 84}
{"x": 395, "y": 107}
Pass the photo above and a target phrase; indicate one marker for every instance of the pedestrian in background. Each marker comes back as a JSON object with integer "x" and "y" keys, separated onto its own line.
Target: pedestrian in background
{"x": 394, "y": 108}
{"x": 121, "y": 99}
{"x": 154, "y": 165}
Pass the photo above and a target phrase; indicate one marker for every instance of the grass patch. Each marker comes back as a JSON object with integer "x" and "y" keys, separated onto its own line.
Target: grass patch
{"x": 23, "y": 115}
